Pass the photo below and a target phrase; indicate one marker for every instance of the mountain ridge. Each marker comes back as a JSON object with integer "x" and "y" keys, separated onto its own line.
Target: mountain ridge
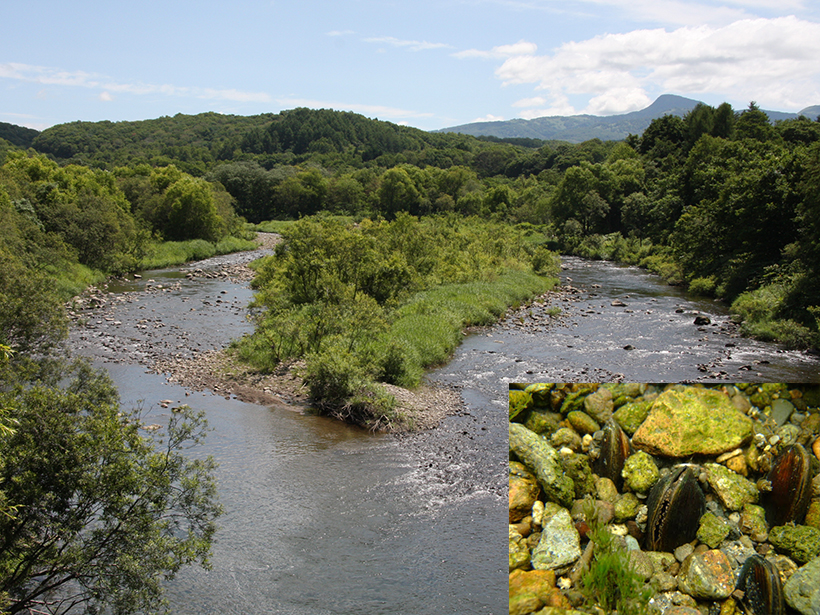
{"x": 579, "y": 128}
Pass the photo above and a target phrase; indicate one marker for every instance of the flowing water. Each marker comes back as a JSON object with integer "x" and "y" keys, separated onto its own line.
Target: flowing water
{"x": 323, "y": 518}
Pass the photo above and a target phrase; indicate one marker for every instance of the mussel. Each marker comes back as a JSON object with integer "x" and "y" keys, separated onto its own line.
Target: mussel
{"x": 761, "y": 586}
{"x": 790, "y": 481}
{"x": 615, "y": 448}
{"x": 675, "y": 506}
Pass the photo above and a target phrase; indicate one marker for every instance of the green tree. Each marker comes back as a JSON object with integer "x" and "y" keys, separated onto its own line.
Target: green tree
{"x": 398, "y": 192}
{"x": 105, "y": 511}
{"x": 189, "y": 211}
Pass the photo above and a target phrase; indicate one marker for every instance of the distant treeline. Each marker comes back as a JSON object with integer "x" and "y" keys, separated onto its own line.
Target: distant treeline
{"x": 720, "y": 200}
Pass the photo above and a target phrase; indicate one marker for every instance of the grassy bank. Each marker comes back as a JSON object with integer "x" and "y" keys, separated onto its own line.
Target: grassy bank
{"x": 170, "y": 253}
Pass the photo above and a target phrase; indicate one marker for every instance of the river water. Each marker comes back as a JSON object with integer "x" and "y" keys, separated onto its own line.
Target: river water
{"x": 324, "y": 518}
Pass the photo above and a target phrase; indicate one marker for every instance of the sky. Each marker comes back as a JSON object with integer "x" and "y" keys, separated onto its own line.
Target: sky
{"x": 426, "y": 63}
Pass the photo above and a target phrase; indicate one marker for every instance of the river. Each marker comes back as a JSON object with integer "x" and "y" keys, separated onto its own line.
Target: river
{"x": 324, "y": 518}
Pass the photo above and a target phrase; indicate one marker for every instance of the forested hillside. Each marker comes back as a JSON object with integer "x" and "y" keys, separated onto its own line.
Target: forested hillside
{"x": 723, "y": 201}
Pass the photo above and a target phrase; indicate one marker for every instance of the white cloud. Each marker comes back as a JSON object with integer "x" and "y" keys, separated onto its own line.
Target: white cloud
{"x": 489, "y": 118}
{"x": 54, "y": 76}
{"x": 340, "y": 32}
{"x": 522, "y": 47}
{"x": 105, "y": 97}
{"x": 772, "y": 61}
{"x": 412, "y": 45}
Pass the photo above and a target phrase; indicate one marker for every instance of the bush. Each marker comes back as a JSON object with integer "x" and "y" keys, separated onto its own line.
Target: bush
{"x": 704, "y": 287}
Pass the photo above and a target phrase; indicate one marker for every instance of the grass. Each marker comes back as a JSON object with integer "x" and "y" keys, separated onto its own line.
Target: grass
{"x": 428, "y": 327}
{"x": 170, "y": 253}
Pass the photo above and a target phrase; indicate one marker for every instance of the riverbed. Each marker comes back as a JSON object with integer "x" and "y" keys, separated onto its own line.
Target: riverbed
{"x": 322, "y": 517}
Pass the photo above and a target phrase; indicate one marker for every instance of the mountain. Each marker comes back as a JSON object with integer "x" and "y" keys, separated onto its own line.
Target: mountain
{"x": 17, "y": 135}
{"x": 579, "y": 128}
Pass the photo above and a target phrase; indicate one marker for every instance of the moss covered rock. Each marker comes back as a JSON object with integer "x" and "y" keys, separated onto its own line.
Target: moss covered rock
{"x": 713, "y": 530}
{"x": 734, "y": 490}
{"x": 800, "y": 542}
{"x": 640, "y": 472}
{"x": 536, "y": 453}
{"x": 692, "y": 421}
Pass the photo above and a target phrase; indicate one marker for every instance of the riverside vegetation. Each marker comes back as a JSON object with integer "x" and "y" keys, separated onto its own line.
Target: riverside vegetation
{"x": 721, "y": 201}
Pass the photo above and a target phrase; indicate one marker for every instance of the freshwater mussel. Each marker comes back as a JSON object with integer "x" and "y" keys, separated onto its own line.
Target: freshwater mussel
{"x": 762, "y": 588}
{"x": 613, "y": 450}
{"x": 788, "y": 486}
{"x": 674, "y": 508}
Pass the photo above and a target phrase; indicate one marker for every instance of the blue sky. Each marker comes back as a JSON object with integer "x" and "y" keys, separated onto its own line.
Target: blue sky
{"x": 426, "y": 63}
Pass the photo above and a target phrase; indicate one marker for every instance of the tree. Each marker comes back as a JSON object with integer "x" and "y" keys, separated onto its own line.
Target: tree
{"x": 190, "y": 211}
{"x": 104, "y": 510}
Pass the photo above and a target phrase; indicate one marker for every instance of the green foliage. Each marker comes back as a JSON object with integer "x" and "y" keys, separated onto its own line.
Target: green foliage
{"x": 105, "y": 511}
{"x": 611, "y": 583}
{"x": 383, "y": 300}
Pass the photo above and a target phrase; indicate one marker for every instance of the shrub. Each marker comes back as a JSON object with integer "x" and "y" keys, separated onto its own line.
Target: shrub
{"x": 702, "y": 286}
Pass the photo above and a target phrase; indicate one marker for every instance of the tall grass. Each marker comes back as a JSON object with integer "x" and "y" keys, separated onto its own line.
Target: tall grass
{"x": 170, "y": 253}
{"x": 428, "y": 327}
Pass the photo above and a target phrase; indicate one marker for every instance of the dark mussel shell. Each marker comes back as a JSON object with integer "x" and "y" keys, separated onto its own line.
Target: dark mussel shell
{"x": 761, "y": 586}
{"x": 675, "y": 506}
{"x": 615, "y": 448}
{"x": 790, "y": 479}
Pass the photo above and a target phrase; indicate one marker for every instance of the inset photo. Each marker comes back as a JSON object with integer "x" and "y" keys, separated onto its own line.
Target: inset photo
{"x": 642, "y": 498}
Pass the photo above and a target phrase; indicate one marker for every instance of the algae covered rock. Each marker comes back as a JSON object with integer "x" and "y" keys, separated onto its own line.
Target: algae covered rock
{"x": 800, "y": 542}
{"x": 523, "y": 491}
{"x": 734, "y": 490}
{"x": 640, "y": 472}
{"x": 519, "y": 551}
{"x": 692, "y": 421}
{"x": 543, "y": 460}
{"x": 707, "y": 576}
{"x": 631, "y": 415}
{"x": 533, "y": 590}
{"x": 540, "y": 393}
{"x": 520, "y": 402}
{"x": 599, "y": 405}
{"x": 802, "y": 590}
{"x": 560, "y": 543}
{"x": 713, "y": 530}
{"x": 582, "y": 422}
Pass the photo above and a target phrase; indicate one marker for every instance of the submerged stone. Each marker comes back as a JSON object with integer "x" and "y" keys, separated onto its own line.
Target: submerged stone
{"x": 631, "y": 415}
{"x": 713, "y": 530}
{"x": 693, "y": 421}
{"x": 523, "y": 491}
{"x": 640, "y": 472}
{"x": 543, "y": 460}
{"x": 802, "y": 590}
{"x": 707, "y": 576}
{"x": 560, "y": 543}
{"x": 734, "y": 490}
{"x": 800, "y": 542}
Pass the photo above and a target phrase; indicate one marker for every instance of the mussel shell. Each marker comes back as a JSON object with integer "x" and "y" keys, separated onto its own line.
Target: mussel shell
{"x": 675, "y": 506}
{"x": 761, "y": 586}
{"x": 615, "y": 448}
{"x": 790, "y": 479}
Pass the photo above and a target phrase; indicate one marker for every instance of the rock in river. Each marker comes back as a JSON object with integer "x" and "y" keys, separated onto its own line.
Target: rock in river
{"x": 692, "y": 421}
{"x": 560, "y": 543}
{"x": 538, "y": 455}
{"x": 802, "y": 590}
